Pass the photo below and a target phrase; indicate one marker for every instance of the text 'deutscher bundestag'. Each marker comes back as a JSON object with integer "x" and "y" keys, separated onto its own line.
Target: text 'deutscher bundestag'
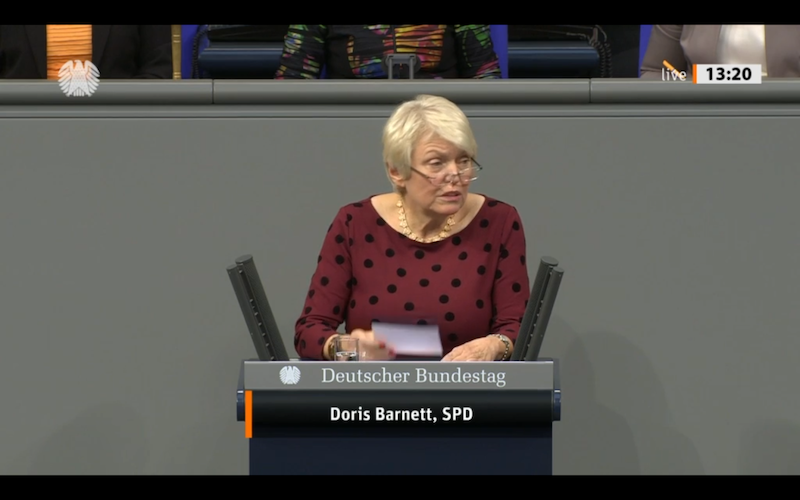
{"x": 400, "y": 394}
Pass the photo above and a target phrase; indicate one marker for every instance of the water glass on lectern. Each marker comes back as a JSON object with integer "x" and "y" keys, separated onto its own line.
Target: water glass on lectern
{"x": 346, "y": 348}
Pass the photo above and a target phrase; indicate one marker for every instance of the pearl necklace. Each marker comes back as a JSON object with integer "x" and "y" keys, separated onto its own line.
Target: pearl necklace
{"x": 401, "y": 212}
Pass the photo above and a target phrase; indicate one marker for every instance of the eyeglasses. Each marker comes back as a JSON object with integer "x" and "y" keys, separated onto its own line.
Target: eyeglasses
{"x": 464, "y": 175}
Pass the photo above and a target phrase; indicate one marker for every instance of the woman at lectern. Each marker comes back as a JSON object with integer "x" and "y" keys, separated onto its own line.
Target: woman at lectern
{"x": 429, "y": 252}
{"x": 360, "y": 50}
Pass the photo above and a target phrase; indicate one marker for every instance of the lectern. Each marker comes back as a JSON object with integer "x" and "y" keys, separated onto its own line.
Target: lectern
{"x": 399, "y": 417}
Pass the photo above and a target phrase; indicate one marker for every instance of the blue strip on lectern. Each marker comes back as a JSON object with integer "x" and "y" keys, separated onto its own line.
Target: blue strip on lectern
{"x": 644, "y": 39}
{"x": 188, "y": 32}
{"x": 500, "y": 42}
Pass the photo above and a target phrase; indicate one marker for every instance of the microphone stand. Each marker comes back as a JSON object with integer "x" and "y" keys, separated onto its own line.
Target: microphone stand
{"x": 401, "y": 62}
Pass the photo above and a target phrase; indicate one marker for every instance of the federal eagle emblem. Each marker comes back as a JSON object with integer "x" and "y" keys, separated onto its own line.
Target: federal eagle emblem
{"x": 290, "y": 375}
{"x": 78, "y": 78}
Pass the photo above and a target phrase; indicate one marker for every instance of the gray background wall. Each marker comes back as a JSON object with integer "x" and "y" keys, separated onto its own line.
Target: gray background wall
{"x": 677, "y": 224}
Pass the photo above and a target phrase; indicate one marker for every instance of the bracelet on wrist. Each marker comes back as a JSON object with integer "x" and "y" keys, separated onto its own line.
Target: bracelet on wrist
{"x": 332, "y": 347}
{"x": 507, "y": 342}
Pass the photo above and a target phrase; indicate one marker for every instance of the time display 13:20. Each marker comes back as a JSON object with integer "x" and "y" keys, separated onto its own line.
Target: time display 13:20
{"x": 729, "y": 74}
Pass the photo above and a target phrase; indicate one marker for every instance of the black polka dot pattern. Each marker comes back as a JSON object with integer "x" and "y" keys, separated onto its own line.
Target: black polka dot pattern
{"x": 469, "y": 285}
{"x": 503, "y": 252}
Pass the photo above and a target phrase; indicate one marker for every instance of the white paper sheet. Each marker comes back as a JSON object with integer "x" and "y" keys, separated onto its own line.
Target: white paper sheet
{"x": 410, "y": 340}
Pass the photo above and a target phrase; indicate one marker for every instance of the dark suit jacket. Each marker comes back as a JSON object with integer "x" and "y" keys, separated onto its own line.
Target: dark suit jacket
{"x": 683, "y": 45}
{"x": 118, "y": 51}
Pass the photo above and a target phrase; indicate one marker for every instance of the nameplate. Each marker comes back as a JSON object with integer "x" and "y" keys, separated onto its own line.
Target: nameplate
{"x": 398, "y": 376}
{"x": 399, "y": 409}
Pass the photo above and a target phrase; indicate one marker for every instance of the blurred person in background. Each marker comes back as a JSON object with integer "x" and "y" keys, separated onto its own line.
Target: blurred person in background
{"x": 776, "y": 47}
{"x": 119, "y": 51}
{"x": 360, "y": 50}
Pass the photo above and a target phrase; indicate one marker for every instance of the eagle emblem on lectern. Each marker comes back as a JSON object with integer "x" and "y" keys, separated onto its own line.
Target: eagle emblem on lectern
{"x": 78, "y": 78}
{"x": 290, "y": 375}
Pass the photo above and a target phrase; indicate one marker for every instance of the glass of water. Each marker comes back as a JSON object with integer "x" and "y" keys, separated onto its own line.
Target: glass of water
{"x": 346, "y": 348}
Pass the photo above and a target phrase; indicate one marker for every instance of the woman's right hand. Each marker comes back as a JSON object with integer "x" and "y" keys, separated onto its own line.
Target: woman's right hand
{"x": 371, "y": 348}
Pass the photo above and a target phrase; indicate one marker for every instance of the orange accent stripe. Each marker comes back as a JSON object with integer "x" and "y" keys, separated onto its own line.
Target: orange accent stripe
{"x": 694, "y": 73}
{"x": 67, "y": 42}
{"x": 248, "y": 414}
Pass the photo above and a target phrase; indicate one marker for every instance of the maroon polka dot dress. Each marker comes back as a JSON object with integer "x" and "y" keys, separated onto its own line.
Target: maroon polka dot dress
{"x": 471, "y": 284}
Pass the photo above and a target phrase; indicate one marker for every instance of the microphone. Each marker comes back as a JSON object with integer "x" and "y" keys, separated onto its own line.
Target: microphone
{"x": 401, "y": 63}
{"x": 537, "y": 313}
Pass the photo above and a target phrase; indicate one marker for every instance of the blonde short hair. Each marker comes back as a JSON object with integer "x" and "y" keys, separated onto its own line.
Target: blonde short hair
{"x": 422, "y": 118}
